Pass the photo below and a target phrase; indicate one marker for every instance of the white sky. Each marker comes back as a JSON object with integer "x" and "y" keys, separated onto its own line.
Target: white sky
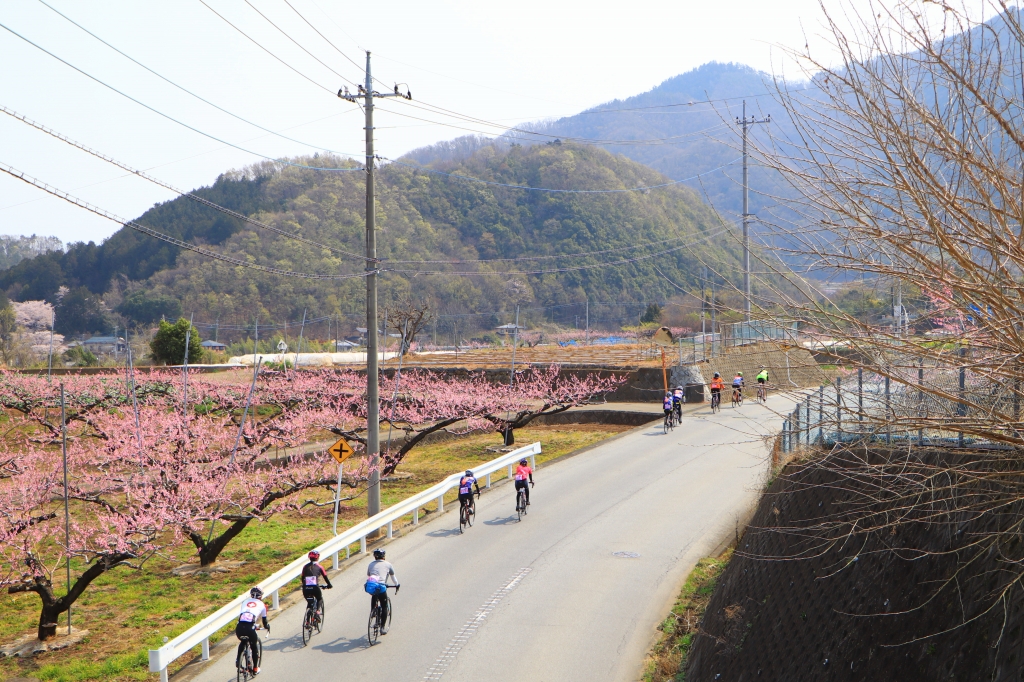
{"x": 506, "y": 62}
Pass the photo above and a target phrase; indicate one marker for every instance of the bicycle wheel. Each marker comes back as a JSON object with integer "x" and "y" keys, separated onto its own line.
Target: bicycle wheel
{"x": 372, "y": 628}
{"x": 319, "y": 622}
{"x": 462, "y": 518}
{"x": 244, "y": 662}
{"x": 470, "y": 513}
{"x": 259, "y": 653}
{"x": 520, "y": 504}
{"x": 307, "y": 626}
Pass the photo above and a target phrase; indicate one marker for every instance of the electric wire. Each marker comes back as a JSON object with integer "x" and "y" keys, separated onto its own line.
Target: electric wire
{"x": 188, "y": 195}
{"x": 553, "y": 271}
{"x": 560, "y": 191}
{"x": 297, "y": 43}
{"x": 356, "y": 64}
{"x": 168, "y": 116}
{"x": 39, "y": 184}
{"x": 189, "y": 92}
{"x": 259, "y": 45}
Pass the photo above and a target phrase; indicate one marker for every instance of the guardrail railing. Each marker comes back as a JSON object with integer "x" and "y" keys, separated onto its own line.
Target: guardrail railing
{"x": 200, "y": 633}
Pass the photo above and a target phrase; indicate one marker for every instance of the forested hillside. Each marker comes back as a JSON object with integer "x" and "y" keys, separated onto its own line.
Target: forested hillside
{"x": 422, "y": 216}
{"x": 673, "y": 129}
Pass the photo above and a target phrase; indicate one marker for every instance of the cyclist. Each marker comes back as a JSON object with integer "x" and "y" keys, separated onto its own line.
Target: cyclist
{"x": 377, "y": 574}
{"x": 762, "y": 378}
{"x": 252, "y": 609}
{"x": 311, "y": 574}
{"x": 466, "y": 485}
{"x": 524, "y": 475}
{"x": 668, "y": 405}
{"x": 717, "y": 384}
{"x": 677, "y": 403}
{"x": 737, "y": 385}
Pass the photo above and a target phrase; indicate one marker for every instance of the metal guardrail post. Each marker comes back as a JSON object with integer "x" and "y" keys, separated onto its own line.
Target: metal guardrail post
{"x": 860, "y": 394}
{"x": 334, "y": 561}
{"x": 206, "y": 649}
{"x": 416, "y": 516}
{"x": 533, "y": 461}
{"x": 488, "y": 481}
{"x": 362, "y": 545}
{"x": 821, "y": 414}
{"x": 510, "y": 472}
{"x": 391, "y": 529}
{"x": 440, "y": 504}
{"x": 276, "y": 600}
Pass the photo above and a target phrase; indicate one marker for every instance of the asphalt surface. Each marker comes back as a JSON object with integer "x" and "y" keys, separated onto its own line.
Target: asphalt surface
{"x": 545, "y": 598}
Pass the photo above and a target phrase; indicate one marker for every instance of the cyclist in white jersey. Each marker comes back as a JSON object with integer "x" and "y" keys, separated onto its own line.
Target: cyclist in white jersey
{"x": 252, "y": 610}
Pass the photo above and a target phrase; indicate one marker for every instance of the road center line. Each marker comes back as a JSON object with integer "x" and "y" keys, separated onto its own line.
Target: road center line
{"x": 440, "y": 666}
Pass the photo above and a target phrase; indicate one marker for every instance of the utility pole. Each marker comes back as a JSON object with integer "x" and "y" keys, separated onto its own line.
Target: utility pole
{"x": 745, "y": 123}
{"x": 367, "y": 94}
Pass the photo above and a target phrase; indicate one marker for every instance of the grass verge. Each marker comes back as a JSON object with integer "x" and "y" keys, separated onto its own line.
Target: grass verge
{"x": 128, "y": 612}
{"x": 667, "y": 659}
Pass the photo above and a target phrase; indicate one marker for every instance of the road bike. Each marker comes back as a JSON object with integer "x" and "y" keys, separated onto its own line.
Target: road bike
{"x": 466, "y": 513}
{"x": 677, "y": 413}
{"x": 243, "y": 659}
{"x": 669, "y": 422}
{"x": 380, "y": 615}
{"x": 716, "y": 401}
{"x": 737, "y": 397}
{"x": 762, "y": 393}
{"x": 521, "y": 503}
{"x": 313, "y": 618}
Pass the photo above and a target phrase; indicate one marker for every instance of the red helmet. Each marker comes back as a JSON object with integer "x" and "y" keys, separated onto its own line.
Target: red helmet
{"x": 314, "y": 555}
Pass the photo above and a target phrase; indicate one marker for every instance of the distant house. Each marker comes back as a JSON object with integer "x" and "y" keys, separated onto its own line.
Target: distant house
{"x": 509, "y": 329}
{"x": 105, "y": 344}
{"x": 340, "y": 346}
{"x": 215, "y": 346}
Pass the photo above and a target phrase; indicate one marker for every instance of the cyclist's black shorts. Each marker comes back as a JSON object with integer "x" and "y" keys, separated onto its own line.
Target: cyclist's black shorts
{"x": 311, "y": 592}
{"x": 244, "y": 629}
{"x": 761, "y": 381}
{"x": 669, "y": 411}
{"x": 524, "y": 485}
{"x": 465, "y": 498}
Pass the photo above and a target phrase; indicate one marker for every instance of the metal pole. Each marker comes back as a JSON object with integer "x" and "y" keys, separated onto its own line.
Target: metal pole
{"x": 372, "y": 378}
{"x": 515, "y": 342}
{"x": 961, "y": 409}
{"x": 746, "y": 224}
{"x": 714, "y": 324}
{"x": 920, "y": 401}
{"x": 67, "y": 512}
{"x": 588, "y": 321}
{"x": 839, "y": 406}
{"x": 184, "y": 386}
{"x": 302, "y": 331}
{"x": 49, "y": 362}
{"x": 796, "y": 423}
{"x": 888, "y": 426}
{"x": 337, "y": 501}
{"x": 807, "y": 422}
{"x": 821, "y": 414}
{"x": 860, "y": 394}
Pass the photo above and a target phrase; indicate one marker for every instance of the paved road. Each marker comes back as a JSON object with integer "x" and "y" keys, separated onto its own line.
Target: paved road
{"x": 545, "y": 598}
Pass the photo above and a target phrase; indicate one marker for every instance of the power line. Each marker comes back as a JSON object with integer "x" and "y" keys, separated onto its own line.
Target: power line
{"x": 162, "y": 114}
{"x": 39, "y": 184}
{"x": 354, "y": 62}
{"x": 259, "y": 45}
{"x": 186, "y": 90}
{"x": 561, "y": 191}
{"x": 189, "y": 195}
{"x": 298, "y": 44}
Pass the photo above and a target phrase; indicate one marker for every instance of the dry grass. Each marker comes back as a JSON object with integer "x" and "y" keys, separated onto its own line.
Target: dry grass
{"x": 667, "y": 660}
{"x": 128, "y": 612}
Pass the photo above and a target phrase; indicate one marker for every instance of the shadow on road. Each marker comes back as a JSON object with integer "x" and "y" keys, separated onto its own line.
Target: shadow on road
{"x": 284, "y": 646}
{"x": 501, "y": 521}
{"x": 343, "y": 645}
{"x": 446, "y": 533}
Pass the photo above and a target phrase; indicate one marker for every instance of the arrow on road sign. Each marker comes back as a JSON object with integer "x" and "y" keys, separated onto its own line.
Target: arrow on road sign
{"x": 341, "y": 450}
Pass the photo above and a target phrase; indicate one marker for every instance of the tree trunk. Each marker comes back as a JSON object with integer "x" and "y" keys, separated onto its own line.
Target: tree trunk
{"x": 209, "y": 551}
{"x": 48, "y": 620}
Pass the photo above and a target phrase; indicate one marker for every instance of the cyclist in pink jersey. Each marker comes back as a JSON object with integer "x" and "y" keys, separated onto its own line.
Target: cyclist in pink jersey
{"x": 523, "y": 474}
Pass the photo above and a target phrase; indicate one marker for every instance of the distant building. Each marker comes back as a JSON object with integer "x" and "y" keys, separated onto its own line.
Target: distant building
{"x": 105, "y": 344}
{"x": 215, "y": 346}
{"x": 509, "y": 329}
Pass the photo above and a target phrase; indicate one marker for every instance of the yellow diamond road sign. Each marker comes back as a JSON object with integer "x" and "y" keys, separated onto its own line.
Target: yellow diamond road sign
{"x": 341, "y": 450}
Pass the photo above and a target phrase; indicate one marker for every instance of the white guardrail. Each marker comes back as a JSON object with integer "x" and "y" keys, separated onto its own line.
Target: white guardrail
{"x": 200, "y": 633}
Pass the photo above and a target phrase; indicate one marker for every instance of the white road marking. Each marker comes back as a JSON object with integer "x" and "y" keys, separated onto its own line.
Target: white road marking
{"x": 440, "y": 666}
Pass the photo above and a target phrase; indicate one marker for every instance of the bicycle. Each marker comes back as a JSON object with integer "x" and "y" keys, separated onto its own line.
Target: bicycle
{"x": 466, "y": 514}
{"x": 243, "y": 659}
{"x": 669, "y": 422}
{"x": 313, "y": 618}
{"x": 380, "y": 615}
{"x": 737, "y": 397}
{"x": 521, "y": 503}
{"x": 716, "y": 401}
{"x": 762, "y": 393}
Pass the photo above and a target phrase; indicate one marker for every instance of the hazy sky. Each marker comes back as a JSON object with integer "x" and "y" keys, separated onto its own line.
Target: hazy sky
{"x": 503, "y": 62}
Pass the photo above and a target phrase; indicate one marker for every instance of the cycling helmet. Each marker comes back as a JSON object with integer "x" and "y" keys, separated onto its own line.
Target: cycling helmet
{"x": 739, "y": 374}
{"x": 314, "y": 555}
{"x": 379, "y": 554}
{"x": 523, "y": 462}
{"x": 256, "y": 593}
{"x": 468, "y": 472}
{"x": 717, "y": 375}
